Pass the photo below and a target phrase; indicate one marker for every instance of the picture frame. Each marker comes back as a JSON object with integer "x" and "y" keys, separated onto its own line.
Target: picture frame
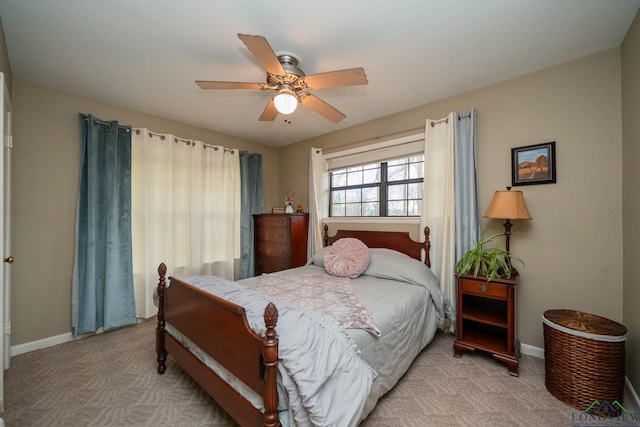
{"x": 533, "y": 164}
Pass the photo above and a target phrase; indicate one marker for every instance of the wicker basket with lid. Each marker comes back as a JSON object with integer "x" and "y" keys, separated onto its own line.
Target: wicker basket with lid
{"x": 584, "y": 359}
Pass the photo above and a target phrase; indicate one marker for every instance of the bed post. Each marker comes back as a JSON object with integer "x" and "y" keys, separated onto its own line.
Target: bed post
{"x": 427, "y": 246}
{"x": 270, "y": 361}
{"x": 325, "y": 236}
{"x": 160, "y": 350}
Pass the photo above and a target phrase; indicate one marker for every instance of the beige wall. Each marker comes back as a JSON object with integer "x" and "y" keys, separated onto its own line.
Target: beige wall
{"x": 631, "y": 195}
{"x": 46, "y": 165}
{"x": 573, "y": 245}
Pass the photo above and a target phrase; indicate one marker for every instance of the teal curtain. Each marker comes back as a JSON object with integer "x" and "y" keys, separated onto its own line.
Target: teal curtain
{"x": 252, "y": 202}
{"x": 465, "y": 193}
{"x": 102, "y": 277}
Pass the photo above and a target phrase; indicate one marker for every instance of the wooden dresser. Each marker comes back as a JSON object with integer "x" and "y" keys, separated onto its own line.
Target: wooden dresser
{"x": 280, "y": 241}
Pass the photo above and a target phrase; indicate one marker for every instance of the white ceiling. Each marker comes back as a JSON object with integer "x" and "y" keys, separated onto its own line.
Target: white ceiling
{"x": 146, "y": 54}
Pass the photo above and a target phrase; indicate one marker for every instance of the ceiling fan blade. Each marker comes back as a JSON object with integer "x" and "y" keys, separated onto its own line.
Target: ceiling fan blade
{"x": 322, "y": 108}
{"x": 269, "y": 114}
{"x": 261, "y": 49}
{"x": 204, "y": 84}
{"x": 349, "y": 77}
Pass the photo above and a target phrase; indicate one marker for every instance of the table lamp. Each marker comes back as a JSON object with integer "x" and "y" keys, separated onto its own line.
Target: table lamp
{"x": 507, "y": 205}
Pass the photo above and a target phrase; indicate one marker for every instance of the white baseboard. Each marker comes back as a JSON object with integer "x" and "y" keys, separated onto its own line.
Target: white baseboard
{"x": 48, "y": 342}
{"x": 43, "y": 343}
{"x": 632, "y": 392}
{"x": 531, "y": 350}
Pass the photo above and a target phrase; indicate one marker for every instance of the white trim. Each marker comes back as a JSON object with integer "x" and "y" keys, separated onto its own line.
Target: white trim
{"x": 632, "y": 392}
{"x": 372, "y": 220}
{"x": 375, "y": 153}
{"x": 43, "y": 343}
{"x": 376, "y": 146}
{"x": 55, "y": 340}
{"x": 531, "y": 350}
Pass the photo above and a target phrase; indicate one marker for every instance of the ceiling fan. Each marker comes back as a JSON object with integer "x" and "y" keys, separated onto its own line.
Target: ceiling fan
{"x": 290, "y": 82}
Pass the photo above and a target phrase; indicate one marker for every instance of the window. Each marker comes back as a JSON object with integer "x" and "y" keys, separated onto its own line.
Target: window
{"x": 391, "y": 188}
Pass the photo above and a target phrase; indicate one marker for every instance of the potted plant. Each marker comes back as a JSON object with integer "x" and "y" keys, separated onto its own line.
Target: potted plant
{"x": 482, "y": 259}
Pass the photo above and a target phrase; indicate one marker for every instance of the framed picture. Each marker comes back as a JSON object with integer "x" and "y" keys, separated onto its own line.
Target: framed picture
{"x": 533, "y": 164}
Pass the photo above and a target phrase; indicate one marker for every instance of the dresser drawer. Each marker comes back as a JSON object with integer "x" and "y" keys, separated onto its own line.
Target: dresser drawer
{"x": 272, "y": 250}
{"x": 272, "y": 220}
{"x": 271, "y": 234}
{"x": 270, "y": 265}
{"x": 483, "y": 288}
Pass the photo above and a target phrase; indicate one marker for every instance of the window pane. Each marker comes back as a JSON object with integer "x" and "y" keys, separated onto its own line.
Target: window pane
{"x": 354, "y": 195}
{"x": 354, "y": 176}
{"x": 414, "y": 207}
{"x": 414, "y": 191}
{"x": 337, "y": 210}
{"x": 416, "y": 170}
{"x": 370, "y": 209}
{"x": 338, "y": 196}
{"x": 397, "y": 208}
{"x": 338, "y": 179}
{"x": 353, "y": 209}
{"x": 397, "y": 192}
{"x": 371, "y": 194}
{"x": 371, "y": 176}
{"x": 356, "y": 190}
{"x": 397, "y": 173}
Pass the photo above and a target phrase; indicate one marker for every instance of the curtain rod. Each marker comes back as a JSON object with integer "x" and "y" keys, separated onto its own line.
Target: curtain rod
{"x": 408, "y": 132}
{"x": 110, "y": 124}
{"x": 187, "y": 141}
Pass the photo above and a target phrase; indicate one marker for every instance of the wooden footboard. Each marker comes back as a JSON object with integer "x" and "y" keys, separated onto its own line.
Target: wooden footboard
{"x": 220, "y": 328}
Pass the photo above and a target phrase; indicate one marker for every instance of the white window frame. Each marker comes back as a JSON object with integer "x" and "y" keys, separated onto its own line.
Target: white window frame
{"x": 381, "y": 151}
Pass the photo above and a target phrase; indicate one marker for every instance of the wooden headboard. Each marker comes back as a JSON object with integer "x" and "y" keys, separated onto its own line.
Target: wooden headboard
{"x": 396, "y": 240}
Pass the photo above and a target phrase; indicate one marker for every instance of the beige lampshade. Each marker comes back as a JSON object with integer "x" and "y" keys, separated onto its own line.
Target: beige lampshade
{"x": 507, "y": 204}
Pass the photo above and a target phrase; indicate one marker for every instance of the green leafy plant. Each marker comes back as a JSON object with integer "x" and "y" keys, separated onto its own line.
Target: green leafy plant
{"x": 483, "y": 260}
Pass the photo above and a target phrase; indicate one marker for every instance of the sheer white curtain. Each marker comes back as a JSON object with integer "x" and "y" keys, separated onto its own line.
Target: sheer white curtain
{"x": 438, "y": 203}
{"x": 185, "y": 211}
{"x": 318, "y": 199}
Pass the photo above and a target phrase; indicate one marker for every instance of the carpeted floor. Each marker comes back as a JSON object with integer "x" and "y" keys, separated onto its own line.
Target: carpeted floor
{"x": 111, "y": 380}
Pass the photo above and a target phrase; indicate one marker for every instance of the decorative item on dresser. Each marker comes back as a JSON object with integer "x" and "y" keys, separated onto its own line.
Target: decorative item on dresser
{"x": 280, "y": 241}
{"x": 486, "y": 318}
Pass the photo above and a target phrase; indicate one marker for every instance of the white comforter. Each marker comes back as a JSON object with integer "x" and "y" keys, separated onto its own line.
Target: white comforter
{"x": 326, "y": 379}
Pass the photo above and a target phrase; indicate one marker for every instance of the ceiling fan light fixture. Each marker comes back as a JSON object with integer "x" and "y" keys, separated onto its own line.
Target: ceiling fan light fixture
{"x": 285, "y": 101}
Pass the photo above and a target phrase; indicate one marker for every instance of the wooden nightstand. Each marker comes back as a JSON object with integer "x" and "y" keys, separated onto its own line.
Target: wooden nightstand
{"x": 486, "y": 318}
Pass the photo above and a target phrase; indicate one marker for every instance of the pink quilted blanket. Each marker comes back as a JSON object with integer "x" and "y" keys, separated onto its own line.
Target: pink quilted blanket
{"x": 322, "y": 293}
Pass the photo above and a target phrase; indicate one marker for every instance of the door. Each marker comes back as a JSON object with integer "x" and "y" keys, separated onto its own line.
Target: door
{"x": 5, "y": 235}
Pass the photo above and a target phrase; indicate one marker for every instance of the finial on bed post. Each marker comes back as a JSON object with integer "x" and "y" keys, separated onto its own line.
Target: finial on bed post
{"x": 325, "y": 236}
{"x": 427, "y": 246}
{"x": 270, "y": 362}
{"x": 160, "y": 350}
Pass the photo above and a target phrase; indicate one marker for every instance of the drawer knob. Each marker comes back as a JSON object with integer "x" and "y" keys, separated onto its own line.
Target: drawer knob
{"x": 281, "y": 235}
{"x": 280, "y": 222}
{"x": 483, "y": 288}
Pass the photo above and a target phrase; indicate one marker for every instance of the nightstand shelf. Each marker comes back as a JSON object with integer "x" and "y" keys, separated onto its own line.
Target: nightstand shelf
{"x": 486, "y": 318}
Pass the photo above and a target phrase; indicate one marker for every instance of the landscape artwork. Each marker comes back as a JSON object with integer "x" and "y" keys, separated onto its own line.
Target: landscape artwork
{"x": 533, "y": 164}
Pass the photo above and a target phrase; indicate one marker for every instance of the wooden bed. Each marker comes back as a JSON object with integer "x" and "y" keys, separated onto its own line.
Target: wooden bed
{"x": 232, "y": 343}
